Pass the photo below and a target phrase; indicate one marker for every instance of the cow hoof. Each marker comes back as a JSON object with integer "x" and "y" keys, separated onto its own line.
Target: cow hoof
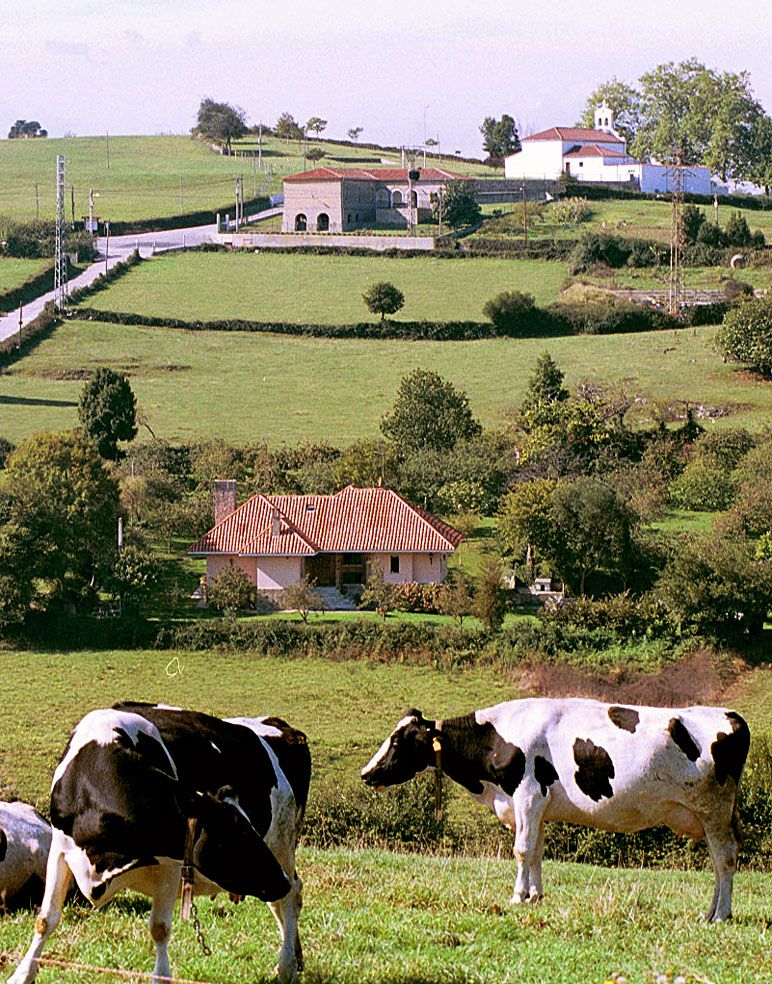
{"x": 518, "y": 898}
{"x": 535, "y": 897}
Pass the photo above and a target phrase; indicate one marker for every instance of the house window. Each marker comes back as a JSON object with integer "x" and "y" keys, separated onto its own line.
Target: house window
{"x": 300, "y": 223}
{"x": 396, "y": 199}
{"x": 581, "y": 163}
{"x": 394, "y": 565}
{"x": 323, "y": 222}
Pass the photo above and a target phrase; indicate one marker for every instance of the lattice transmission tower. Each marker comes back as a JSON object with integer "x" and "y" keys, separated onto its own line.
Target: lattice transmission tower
{"x": 676, "y": 286}
{"x": 61, "y": 290}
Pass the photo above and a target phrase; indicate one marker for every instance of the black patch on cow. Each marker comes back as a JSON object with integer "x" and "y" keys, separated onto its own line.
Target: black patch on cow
{"x": 293, "y": 755}
{"x": 680, "y": 735}
{"x": 596, "y": 770}
{"x": 626, "y": 718}
{"x": 730, "y": 751}
{"x": 544, "y": 773}
{"x": 3, "y": 844}
{"x": 29, "y": 895}
{"x": 474, "y": 753}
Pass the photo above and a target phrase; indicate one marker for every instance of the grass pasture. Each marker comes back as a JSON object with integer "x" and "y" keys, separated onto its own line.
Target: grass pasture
{"x": 248, "y": 387}
{"x": 13, "y": 272}
{"x": 320, "y": 289}
{"x": 370, "y": 915}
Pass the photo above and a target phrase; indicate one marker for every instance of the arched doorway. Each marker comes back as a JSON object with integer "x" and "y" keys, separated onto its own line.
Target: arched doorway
{"x": 301, "y": 223}
{"x": 396, "y": 199}
{"x": 414, "y": 199}
{"x": 323, "y": 222}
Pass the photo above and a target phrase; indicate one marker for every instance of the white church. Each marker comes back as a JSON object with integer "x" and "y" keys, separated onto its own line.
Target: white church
{"x": 597, "y": 155}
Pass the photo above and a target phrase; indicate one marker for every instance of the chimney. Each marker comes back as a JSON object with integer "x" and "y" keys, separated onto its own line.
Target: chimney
{"x": 224, "y": 498}
{"x": 275, "y": 523}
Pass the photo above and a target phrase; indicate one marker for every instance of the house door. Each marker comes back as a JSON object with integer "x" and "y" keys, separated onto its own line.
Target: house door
{"x": 321, "y": 569}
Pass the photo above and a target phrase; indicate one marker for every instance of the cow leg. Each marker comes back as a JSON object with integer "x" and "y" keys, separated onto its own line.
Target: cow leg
{"x": 161, "y": 912}
{"x": 529, "y": 846}
{"x": 58, "y": 877}
{"x": 287, "y": 913}
{"x": 724, "y": 847}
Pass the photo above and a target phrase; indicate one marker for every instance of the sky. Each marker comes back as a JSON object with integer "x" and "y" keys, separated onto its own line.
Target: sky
{"x": 403, "y": 70}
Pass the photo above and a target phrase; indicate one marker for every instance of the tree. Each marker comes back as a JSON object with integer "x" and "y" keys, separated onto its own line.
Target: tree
{"x": 232, "y": 590}
{"x": 511, "y": 312}
{"x": 302, "y": 598}
{"x": 377, "y": 593}
{"x": 61, "y": 505}
{"x": 317, "y": 125}
{"x": 383, "y": 298}
{"x": 624, "y": 100}
{"x": 545, "y": 388}
{"x": 489, "y": 601}
{"x": 23, "y": 129}
{"x": 457, "y": 205}
{"x": 745, "y": 334}
{"x": 760, "y": 170}
{"x": 429, "y": 413}
{"x": 220, "y": 122}
{"x": 354, "y": 132}
{"x": 456, "y": 598}
{"x": 314, "y": 154}
{"x": 524, "y": 524}
{"x": 590, "y": 530}
{"x": 287, "y": 128}
{"x": 134, "y": 575}
{"x": 108, "y": 411}
{"x": 500, "y": 137}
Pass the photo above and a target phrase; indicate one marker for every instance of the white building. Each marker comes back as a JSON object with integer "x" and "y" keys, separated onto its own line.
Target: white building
{"x": 597, "y": 155}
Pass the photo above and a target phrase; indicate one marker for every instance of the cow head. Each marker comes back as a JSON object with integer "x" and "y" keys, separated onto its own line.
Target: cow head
{"x": 406, "y": 752}
{"x": 229, "y": 851}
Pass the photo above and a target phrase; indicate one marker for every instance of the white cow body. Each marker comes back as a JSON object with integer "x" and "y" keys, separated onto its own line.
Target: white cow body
{"x": 25, "y": 838}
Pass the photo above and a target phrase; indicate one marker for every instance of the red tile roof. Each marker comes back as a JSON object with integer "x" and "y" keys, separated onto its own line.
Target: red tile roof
{"x": 593, "y": 150}
{"x": 373, "y": 520}
{"x": 372, "y": 174}
{"x": 578, "y": 133}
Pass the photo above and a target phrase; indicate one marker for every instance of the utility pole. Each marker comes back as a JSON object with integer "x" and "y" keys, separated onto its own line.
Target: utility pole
{"x": 238, "y": 202}
{"x": 60, "y": 254}
{"x": 254, "y": 178}
{"x": 21, "y": 323}
{"x": 675, "y": 289}
{"x": 72, "y": 204}
{"x": 91, "y": 211}
{"x": 260, "y": 146}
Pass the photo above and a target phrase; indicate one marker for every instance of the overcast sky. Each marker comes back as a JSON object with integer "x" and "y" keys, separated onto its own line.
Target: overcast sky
{"x": 389, "y": 66}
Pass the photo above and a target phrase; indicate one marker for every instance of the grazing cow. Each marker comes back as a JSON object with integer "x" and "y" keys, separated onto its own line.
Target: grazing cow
{"x": 25, "y": 838}
{"x": 600, "y": 765}
{"x": 137, "y": 780}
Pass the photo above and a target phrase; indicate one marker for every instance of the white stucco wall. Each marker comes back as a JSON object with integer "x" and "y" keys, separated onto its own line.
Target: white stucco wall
{"x": 216, "y": 563}
{"x": 412, "y": 567}
{"x": 537, "y": 159}
{"x": 275, "y": 573}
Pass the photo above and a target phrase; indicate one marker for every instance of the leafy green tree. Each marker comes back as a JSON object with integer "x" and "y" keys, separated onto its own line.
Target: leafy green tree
{"x": 61, "y": 504}
{"x": 624, "y": 100}
{"x": 524, "y": 524}
{"x": 232, "y": 590}
{"x": 545, "y": 388}
{"x": 316, "y": 124}
{"x": 220, "y": 122}
{"x": 287, "y": 128}
{"x": 590, "y": 531}
{"x": 717, "y": 586}
{"x": 354, "y": 133}
{"x": 745, "y": 334}
{"x": 134, "y": 576}
{"x": 368, "y": 463}
{"x": 760, "y": 170}
{"x": 737, "y": 232}
{"x": 456, "y": 597}
{"x": 24, "y": 129}
{"x": 512, "y": 313}
{"x": 378, "y": 594}
{"x": 315, "y": 154}
{"x": 489, "y": 599}
{"x": 703, "y": 486}
{"x": 458, "y": 205}
{"x": 500, "y": 137}
{"x": 383, "y": 298}
{"x": 302, "y": 598}
{"x": 693, "y": 220}
{"x": 429, "y": 413}
{"x": 108, "y": 411}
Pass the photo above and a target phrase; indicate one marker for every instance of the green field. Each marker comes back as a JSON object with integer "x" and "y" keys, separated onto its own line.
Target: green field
{"x": 249, "y": 387}
{"x": 147, "y": 177}
{"x": 373, "y": 916}
{"x": 14, "y": 272}
{"x": 320, "y": 289}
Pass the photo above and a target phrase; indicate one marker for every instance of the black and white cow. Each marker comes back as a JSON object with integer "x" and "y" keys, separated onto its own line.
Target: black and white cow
{"x": 131, "y": 777}
{"x": 600, "y": 765}
{"x": 25, "y": 838}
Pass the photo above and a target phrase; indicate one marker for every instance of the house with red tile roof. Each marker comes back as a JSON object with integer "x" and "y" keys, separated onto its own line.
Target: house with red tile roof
{"x": 337, "y": 540}
{"x": 597, "y": 155}
{"x": 331, "y": 199}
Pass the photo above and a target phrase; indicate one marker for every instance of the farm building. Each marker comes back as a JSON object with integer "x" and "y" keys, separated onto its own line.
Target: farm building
{"x": 597, "y": 155}
{"x": 340, "y": 199}
{"x": 337, "y": 540}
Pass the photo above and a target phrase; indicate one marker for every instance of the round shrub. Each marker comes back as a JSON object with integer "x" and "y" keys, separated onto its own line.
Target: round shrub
{"x": 512, "y": 313}
{"x": 746, "y": 334}
{"x": 703, "y": 487}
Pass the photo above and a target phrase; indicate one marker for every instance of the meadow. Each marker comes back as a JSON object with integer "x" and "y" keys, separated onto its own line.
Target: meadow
{"x": 250, "y": 387}
{"x": 142, "y": 177}
{"x": 372, "y": 915}
{"x": 13, "y": 272}
{"x": 320, "y": 289}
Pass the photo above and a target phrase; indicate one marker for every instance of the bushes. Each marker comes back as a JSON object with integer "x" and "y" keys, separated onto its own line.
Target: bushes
{"x": 703, "y": 487}
{"x": 616, "y": 252}
{"x": 570, "y": 211}
{"x": 746, "y": 334}
{"x": 512, "y": 313}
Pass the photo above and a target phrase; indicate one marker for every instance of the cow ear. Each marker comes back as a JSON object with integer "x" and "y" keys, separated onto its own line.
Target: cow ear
{"x": 413, "y": 712}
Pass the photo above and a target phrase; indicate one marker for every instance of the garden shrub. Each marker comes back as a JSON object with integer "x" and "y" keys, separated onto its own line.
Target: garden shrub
{"x": 702, "y": 487}
{"x": 570, "y": 211}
